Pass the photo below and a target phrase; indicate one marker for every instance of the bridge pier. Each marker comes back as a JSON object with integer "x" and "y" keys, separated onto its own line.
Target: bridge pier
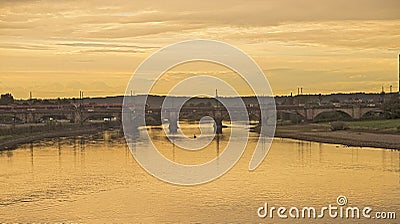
{"x": 131, "y": 122}
{"x": 78, "y": 115}
{"x": 309, "y": 114}
{"x": 30, "y": 118}
{"x": 118, "y": 117}
{"x": 173, "y": 122}
{"x": 264, "y": 121}
{"x": 356, "y": 113}
{"x": 218, "y": 126}
{"x": 218, "y": 122}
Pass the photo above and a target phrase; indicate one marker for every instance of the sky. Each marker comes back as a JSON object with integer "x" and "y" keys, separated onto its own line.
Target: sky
{"x": 58, "y": 48}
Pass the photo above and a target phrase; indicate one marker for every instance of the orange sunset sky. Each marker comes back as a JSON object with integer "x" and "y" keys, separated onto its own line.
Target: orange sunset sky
{"x": 57, "y": 48}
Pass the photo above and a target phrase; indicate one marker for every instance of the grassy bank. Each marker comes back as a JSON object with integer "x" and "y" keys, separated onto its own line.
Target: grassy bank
{"x": 393, "y": 124}
{"x": 11, "y": 137}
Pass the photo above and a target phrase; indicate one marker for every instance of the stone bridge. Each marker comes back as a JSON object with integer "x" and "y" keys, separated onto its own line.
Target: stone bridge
{"x": 310, "y": 113}
{"x": 73, "y": 113}
{"x": 82, "y": 113}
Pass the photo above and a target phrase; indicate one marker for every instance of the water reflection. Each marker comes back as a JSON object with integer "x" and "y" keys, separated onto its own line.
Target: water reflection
{"x": 95, "y": 179}
{"x": 217, "y": 136}
{"x": 31, "y": 149}
{"x": 8, "y": 153}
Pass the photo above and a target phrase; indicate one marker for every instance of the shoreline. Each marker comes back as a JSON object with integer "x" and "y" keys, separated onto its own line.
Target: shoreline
{"x": 336, "y": 141}
{"x": 352, "y": 137}
{"x": 303, "y": 132}
{"x": 25, "y": 139}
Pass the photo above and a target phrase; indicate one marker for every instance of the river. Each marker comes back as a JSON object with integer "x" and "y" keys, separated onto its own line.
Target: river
{"x": 95, "y": 179}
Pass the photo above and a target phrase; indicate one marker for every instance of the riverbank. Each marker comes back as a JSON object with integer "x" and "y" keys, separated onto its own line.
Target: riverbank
{"x": 14, "y": 140}
{"x": 359, "y": 137}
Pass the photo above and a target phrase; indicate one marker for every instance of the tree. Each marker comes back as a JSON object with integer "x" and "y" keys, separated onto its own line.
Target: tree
{"x": 6, "y": 99}
{"x": 392, "y": 107}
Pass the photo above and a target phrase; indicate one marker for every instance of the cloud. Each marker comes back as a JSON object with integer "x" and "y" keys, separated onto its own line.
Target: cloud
{"x": 100, "y": 19}
{"x": 349, "y": 34}
{"x": 25, "y": 47}
{"x": 111, "y": 45}
{"x": 294, "y": 42}
{"x": 97, "y": 47}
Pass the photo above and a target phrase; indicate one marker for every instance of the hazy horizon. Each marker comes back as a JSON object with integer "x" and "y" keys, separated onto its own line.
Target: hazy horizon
{"x": 205, "y": 96}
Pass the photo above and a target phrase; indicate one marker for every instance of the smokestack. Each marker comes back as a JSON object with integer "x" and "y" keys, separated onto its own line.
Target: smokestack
{"x": 399, "y": 73}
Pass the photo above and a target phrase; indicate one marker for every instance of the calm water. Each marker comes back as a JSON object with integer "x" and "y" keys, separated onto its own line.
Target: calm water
{"x": 95, "y": 179}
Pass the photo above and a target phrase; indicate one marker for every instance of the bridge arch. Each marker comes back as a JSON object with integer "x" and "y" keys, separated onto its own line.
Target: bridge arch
{"x": 293, "y": 116}
{"x": 367, "y": 111}
{"x": 334, "y": 114}
{"x": 10, "y": 118}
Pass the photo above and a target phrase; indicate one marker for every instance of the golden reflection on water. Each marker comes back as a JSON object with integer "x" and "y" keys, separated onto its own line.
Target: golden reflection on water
{"x": 96, "y": 179}
{"x": 189, "y": 157}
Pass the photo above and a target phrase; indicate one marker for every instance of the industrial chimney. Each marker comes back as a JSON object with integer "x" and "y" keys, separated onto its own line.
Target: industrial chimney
{"x": 399, "y": 73}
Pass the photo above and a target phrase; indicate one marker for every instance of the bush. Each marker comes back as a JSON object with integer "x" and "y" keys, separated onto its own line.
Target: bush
{"x": 338, "y": 125}
{"x": 392, "y": 107}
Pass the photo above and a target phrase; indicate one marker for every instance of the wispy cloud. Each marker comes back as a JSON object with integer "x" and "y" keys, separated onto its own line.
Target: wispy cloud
{"x": 111, "y": 45}
{"x": 295, "y": 42}
{"x": 25, "y": 47}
